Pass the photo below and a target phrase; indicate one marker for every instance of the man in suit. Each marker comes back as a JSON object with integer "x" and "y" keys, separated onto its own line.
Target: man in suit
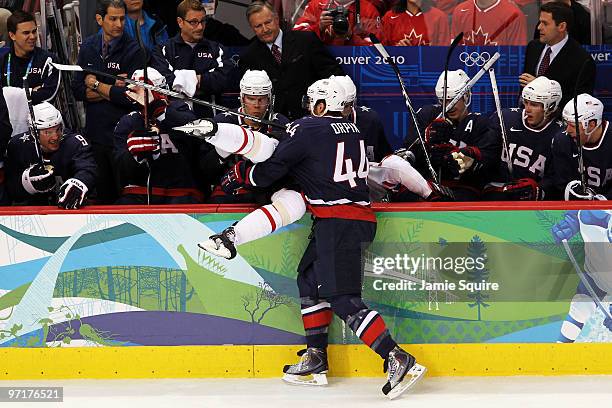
{"x": 581, "y": 31}
{"x": 558, "y": 56}
{"x": 293, "y": 60}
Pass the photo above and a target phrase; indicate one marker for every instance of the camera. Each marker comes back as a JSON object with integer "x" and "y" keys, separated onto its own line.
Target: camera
{"x": 340, "y": 22}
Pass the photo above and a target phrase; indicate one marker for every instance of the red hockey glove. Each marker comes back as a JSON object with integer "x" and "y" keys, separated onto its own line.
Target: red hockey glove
{"x": 144, "y": 145}
{"x": 438, "y": 132}
{"x": 236, "y": 177}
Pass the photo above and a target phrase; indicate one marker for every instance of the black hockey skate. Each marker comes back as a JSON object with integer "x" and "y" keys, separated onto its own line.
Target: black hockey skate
{"x": 221, "y": 244}
{"x": 400, "y": 365}
{"x": 310, "y": 370}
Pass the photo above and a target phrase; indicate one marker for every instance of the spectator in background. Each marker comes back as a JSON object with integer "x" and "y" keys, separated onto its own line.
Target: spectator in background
{"x": 4, "y": 15}
{"x": 558, "y": 56}
{"x": 112, "y": 52}
{"x": 220, "y": 32}
{"x": 581, "y": 31}
{"x": 293, "y": 60}
{"x": 166, "y": 10}
{"x": 25, "y": 59}
{"x": 447, "y": 6}
{"x": 415, "y": 22}
{"x": 334, "y": 21}
{"x": 152, "y": 29}
{"x": 489, "y": 22}
{"x": 190, "y": 62}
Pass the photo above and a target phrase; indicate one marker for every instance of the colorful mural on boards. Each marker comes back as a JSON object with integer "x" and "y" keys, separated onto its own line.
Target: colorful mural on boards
{"x": 139, "y": 279}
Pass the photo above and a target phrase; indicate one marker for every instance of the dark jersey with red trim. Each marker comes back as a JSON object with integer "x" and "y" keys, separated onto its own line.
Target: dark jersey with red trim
{"x": 530, "y": 149}
{"x": 179, "y": 163}
{"x": 475, "y": 132}
{"x": 327, "y": 157}
{"x": 597, "y": 164}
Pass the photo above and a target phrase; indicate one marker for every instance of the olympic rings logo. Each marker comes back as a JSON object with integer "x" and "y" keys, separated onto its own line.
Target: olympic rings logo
{"x": 474, "y": 58}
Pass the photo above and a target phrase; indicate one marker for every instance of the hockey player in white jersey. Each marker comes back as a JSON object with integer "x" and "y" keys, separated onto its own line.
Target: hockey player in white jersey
{"x": 595, "y": 227}
{"x": 288, "y": 205}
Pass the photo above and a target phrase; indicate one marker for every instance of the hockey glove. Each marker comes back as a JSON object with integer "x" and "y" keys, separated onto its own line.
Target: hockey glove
{"x": 72, "y": 194}
{"x": 566, "y": 228}
{"x": 38, "y": 179}
{"x": 525, "y": 189}
{"x": 236, "y": 178}
{"x": 574, "y": 191}
{"x": 438, "y": 132}
{"x": 439, "y": 193}
{"x": 441, "y": 156}
{"x": 468, "y": 158}
{"x": 144, "y": 145}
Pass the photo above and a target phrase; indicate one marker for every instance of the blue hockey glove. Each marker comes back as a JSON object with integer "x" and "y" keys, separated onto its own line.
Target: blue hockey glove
{"x": 567, "y": 227}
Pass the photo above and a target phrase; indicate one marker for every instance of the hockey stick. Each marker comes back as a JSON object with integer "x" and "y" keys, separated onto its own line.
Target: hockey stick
{"x": 168, "y": 92}
{"x": 145, "y": 110}
{"x": 452, "y": 47}
{"x": 383, "y": 53}
{"x": 500, "y": 116}
{"x": 77, "y": 22}
{"x": 467, "y": 87}
{"x": 577, "y": 127}
{"x": 33, "y": 128}
{"x": 584, "y": 280}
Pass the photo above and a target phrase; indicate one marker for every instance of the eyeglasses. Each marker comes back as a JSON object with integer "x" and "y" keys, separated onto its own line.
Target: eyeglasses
{"x": 195, "y": 22}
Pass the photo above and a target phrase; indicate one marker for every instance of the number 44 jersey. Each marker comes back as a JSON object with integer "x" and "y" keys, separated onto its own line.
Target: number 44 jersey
{"x": 327, "y": 157}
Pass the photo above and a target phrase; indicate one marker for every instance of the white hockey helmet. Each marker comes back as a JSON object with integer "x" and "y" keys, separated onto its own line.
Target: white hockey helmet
{"x": 589, "y": 108}
{"x": 255, "y": 83}
{"x": 153, "y": 75}
{"x": 331, "y": 92}
{"x": 349, "y": 87}
{"x": 545, "y": 91}
{"x": 455, "y": 82}
{"x": 46, "y": 116}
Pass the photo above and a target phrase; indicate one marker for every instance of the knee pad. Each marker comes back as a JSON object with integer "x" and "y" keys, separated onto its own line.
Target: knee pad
{"x": 235, "y": 139}
{"x": 289, "y": 204}
{"x": 262, "y": 149}
{"x": 400, "y": 171}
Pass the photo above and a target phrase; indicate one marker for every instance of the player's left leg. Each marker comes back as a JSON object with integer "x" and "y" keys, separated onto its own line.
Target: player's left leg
{"x": 339, "y": 245}
{"x": 286, "y": 208}
{"x": 316, "y": 317}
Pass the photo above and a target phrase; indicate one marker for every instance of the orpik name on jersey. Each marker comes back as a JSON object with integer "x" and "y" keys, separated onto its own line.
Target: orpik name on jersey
{"x": 327, "y": 157}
